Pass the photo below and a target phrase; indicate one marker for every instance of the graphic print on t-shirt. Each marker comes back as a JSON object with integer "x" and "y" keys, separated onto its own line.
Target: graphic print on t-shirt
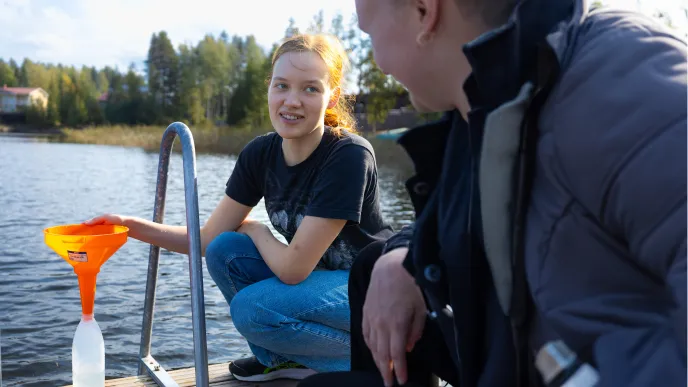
{"x": 337, "y": 181}
{"x": 286, "y": 208}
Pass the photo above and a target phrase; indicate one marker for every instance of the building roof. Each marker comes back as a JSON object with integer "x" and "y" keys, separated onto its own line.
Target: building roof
{"x": 18, "y": 90}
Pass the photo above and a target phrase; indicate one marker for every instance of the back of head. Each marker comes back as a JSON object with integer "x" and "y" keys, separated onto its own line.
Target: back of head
{"x": 332, "y": 52}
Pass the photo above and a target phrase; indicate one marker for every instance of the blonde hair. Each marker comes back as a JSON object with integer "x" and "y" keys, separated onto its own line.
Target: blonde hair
{"x": 332, "y": 52}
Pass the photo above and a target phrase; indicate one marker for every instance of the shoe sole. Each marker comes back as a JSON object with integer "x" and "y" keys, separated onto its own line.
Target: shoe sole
{"x": 296, "y": 374}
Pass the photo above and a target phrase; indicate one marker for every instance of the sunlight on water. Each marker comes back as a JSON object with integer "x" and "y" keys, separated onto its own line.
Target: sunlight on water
{"x": 44, "y": 184}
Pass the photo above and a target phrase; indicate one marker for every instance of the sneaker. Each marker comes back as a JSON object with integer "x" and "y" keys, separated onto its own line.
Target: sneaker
{"x": 251, "y": 370}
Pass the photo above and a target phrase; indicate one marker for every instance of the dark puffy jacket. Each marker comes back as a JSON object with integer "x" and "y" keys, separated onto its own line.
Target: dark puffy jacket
{"x": 593, "y": 225}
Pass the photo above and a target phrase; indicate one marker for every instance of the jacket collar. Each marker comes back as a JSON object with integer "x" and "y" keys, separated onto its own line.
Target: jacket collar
{"x": 502, "y": 60}
{"x": 425, "y": 144}
{"x": 505, "y": 58}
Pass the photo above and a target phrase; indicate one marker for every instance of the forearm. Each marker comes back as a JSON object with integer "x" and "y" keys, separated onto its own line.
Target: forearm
{"x": 168, "y": 237}
{"x": 273, "y": 251}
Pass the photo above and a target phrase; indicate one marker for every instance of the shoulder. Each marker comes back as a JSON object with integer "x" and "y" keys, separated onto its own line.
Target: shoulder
{"x": 619, "y": 55}
{"x": 350, "y": 145}
{"x": 621, "y": 90}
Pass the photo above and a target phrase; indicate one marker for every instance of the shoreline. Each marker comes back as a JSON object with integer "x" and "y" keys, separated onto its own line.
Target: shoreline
{"x": 212, "y": 140}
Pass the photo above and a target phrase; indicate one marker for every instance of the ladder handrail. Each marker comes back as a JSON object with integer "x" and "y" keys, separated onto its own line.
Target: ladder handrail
{"x": 147, "y": 364}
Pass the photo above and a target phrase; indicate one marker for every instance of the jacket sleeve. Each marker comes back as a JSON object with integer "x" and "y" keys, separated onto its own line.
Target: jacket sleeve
{"x": 621, "y": 142}
{"x": 402, "y": 239}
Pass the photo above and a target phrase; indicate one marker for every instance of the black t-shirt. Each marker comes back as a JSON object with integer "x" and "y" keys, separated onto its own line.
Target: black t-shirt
{"x": 337, "y": 181}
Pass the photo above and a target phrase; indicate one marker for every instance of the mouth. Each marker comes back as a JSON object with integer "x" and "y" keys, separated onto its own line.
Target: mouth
{"x": 291, "y": 117}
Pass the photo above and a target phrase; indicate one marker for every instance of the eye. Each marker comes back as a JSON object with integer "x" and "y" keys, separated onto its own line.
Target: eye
{"x": 280, "y": 86}
{"x": 312, "y": 89}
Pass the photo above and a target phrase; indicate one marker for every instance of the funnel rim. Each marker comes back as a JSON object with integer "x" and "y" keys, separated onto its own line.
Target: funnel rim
{"x": 122, "y": 230}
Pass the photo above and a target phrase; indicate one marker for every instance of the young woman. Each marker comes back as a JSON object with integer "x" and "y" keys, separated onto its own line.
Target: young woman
{"x": 319, "y": 182}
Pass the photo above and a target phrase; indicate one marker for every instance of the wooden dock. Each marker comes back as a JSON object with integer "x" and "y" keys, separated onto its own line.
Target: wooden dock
{"x": 185, "y": 377}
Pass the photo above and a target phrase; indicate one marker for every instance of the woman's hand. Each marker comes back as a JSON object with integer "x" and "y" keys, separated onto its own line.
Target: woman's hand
{"x": 251, "y": 227}
{"x": 106, "y": 219}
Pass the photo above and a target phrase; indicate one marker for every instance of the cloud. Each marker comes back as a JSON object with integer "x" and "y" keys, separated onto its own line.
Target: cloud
{"x": 117, "y": 33}
{"x": 100, "y": 33}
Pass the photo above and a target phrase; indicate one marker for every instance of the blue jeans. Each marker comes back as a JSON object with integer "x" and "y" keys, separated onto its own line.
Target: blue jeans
{"x": 307, "y": 323}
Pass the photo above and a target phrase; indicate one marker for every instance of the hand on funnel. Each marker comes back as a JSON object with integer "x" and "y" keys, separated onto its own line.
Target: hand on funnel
{"x": 86, "y": 248}
{"x": 106, "y": 219}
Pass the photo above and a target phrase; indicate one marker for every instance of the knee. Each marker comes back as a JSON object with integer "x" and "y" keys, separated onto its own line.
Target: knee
{"x": 217, "y": 251}
{"x": 245, "y": 310}
{"x": 239, "y": 310}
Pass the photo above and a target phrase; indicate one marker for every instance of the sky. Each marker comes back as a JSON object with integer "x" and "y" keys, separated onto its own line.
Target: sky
{"x": 117, "y": 33}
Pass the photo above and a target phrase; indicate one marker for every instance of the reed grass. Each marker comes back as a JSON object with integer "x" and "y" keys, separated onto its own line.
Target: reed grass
{"x": 219, "y": 140}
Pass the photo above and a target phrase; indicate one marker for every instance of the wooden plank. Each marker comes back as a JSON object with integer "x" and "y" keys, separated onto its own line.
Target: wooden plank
{"x": 186, "y": 377}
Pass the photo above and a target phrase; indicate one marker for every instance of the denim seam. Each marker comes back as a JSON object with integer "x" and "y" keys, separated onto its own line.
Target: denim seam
{"x": 225, "y": 268}
{"x": 322, "y": 306}
{"x": 287, "y": 322}
{"x": 346, "y": 343}
{"x": 228, "y": 260}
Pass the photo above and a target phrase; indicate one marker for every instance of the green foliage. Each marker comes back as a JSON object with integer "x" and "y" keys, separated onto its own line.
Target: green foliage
{"x": 35, "y": 115}
{"x": 7, "y": 76}
{"x": 217, "y": 81}
{"x": 317, "y": 24}
{"x": 383, "y": 91}
{"x": 163, "y": 74}
{"x": 292, "y": 29}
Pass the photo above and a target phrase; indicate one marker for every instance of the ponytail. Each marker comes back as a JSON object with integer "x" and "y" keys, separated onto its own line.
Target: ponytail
{"x": 340, "y": 118}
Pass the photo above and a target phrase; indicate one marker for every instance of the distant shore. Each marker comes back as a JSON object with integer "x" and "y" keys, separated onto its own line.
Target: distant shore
{"x": 206, "y": 140}
{"x": 219, "y": 140}
{"x": 27, "y": 130}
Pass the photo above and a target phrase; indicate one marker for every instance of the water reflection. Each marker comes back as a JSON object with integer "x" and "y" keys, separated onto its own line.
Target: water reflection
{"x": 46, "y": 183}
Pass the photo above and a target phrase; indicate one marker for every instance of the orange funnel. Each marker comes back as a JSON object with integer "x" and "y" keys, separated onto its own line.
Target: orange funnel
{"x": 86, "y": 248}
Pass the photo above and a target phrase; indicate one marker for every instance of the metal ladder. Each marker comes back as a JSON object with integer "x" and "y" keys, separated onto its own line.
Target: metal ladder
{"x": 147, "y": 364}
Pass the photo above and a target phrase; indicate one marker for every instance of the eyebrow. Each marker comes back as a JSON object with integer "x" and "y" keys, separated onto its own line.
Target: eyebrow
{"x": 317, "y": 81}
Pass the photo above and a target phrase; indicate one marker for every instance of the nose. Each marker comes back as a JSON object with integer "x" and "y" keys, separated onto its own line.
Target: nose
{"x": 292, "y": 99}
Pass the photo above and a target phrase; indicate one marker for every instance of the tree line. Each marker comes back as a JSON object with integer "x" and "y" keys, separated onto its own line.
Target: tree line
{"x": 220, "y": 80}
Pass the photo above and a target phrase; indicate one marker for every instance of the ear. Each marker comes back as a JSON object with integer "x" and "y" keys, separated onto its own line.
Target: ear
{"x": 428, "y": 13}
{"x": 334, "y": 98}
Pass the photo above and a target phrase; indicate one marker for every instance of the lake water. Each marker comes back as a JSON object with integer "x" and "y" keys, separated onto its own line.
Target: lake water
{"x": 44, "y": 184}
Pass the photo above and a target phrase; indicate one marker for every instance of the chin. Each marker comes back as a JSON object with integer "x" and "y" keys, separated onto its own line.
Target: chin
{"x": 429, "y": 107}
{"x": 291, "y": 132}
{"x": 287, "y": 133}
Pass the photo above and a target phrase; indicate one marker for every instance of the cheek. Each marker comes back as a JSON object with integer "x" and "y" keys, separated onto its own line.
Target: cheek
{"x": 315, "y": 104}
{"x": 274, "y": 100}
{"x": 390, "y": 55}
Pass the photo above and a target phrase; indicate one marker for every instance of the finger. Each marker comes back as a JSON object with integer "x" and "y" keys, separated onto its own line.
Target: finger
{"x": 416, "y": 331}
{"x": 93, "y": 221}
{"x": 365, "y": 330}
{"x": 398, "y": 354}
{"x": 371, "y": 342}
{"x": 383, "y": 360}
{"x": 368, "y": 336}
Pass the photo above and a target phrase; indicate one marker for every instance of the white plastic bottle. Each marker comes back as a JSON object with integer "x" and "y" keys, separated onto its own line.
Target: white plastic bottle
{"x": 88, "y": 354}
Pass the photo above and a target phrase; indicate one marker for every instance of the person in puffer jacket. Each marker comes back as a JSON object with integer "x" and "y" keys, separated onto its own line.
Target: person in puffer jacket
{"x": 550, "y": 199}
